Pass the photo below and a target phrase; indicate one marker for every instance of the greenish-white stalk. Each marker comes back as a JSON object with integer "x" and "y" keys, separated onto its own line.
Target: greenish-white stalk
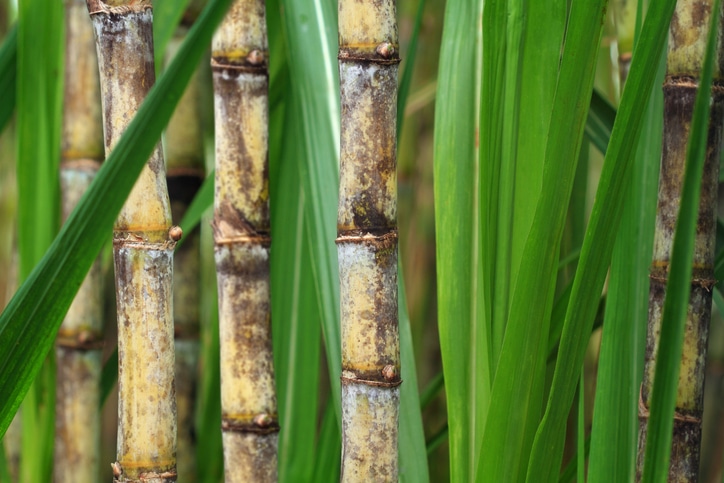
{"x": 242, "y": 238}
{"x": 80, "y": 338}
{"x": 143, "y": 244}
{"x": 367, "y": 240}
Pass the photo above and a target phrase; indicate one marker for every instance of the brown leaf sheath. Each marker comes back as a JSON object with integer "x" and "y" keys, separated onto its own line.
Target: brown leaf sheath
{"x": 78, "y": 346}
{"x": 143, "y": 256}
{"x": 367, "y": 240}
{"x": 242, "y": 242}
{"x": 687, "y": 44}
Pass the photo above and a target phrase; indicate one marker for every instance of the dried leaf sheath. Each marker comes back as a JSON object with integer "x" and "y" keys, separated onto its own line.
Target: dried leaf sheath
{"x": 367, "y": 240}
{"x": 78, "y": 347}
{"x": 242, "y": 241}
{"x": 143, "y": 256}
{"x": 687, "y": 42}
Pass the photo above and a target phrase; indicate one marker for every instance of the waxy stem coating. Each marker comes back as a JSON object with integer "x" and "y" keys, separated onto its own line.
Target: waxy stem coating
{"x": 80, "y": 338}
{"x": 242, "y": 244}
{"x": 367, "y": 240}
{"x": 143, "y": 244}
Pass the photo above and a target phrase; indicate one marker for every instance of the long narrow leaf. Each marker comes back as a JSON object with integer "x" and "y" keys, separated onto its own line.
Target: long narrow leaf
{"x": 39, "y": 89}
{"x": 166, "y": 17}
{"x": 30, "y": 321}
{"x": 620, "y": 368}
{"x": 296, "y": 314}
{"x": 311, "y": 40}
{"x": 8, "y": 72}
{"x": 517, "y": 393}
{"x": 598, "y": 244}
{"x": 412, "y": 456}
{"x": 599, "y": 124}
{"x": 409, "y": 68}
{"x": 463, "y": 337}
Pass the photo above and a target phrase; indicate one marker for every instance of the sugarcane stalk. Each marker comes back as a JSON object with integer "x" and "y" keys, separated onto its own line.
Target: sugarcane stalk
{"x": 143, "y": 243}
{"x": 242, "y": 241}
{"x": 687, "y": 44}
{"x": 367, "y": 240}
{"x": 80, "y": 338}
{"x": 184, "y": 174}
{"x": 625, "y": 15}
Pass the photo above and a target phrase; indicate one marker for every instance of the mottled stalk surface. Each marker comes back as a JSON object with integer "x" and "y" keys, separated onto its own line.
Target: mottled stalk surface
{"x": 80, "y": 338}
{"x": 367, "y": 240}
{"x": 143, "y": 243}
{"x": 687, "y": 44}
{"x": 242, "y": 242}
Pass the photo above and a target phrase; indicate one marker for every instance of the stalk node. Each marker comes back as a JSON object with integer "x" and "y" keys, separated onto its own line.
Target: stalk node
{"x": 256, "y": 57}
{"x": 175, "y": 233}
{"x": 385, "y": 49}
{"x": 350, "y": 378}
{"x": 262, "y": 423}
{"x": 98, "y": 6}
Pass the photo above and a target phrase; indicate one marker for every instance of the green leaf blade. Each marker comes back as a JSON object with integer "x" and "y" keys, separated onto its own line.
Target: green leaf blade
{"x": 598, "y": 244}
{"x": 8, "y": 75}
{"x": 621, "y": 357}
{"x": 463, "y": 337}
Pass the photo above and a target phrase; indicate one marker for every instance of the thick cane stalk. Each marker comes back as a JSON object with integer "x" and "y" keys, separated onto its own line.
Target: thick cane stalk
{"x": 367, "y": 240}
{"x": 80, "y": 338}
{"x": 687, "y": 43}
{"x": 143, "y": 243}
{"x": 242, "y": 241}
{"x": 184, "y": 175}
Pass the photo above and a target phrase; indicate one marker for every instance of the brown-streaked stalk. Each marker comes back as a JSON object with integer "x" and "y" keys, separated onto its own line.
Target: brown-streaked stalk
{"x": 687, "y": 44}
{"x": 143, "y": 244}
{"x": 242, "y": 243}
{"x": 367, "y": 240}
{"x": 80, "y": 338}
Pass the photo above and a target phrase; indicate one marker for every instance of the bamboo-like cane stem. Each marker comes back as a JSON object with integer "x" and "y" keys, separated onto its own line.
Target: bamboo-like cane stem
{"x": 367, "y": 240}
{"x": 143, "y": 243}
{"x": 242, "y": 241}
{"x": 625, "y": 14}
{"x": 80, "y": 338}
{"x": 184, "y": 174}
{"x": 687, "y": 44}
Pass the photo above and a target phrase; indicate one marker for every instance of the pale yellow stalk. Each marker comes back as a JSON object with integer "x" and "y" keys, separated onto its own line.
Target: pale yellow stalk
{"x": 367, "y": 240}
{"x": 143, "y": 243}
{"x": 242, "y": 241}
{"x": 80, "y": 338}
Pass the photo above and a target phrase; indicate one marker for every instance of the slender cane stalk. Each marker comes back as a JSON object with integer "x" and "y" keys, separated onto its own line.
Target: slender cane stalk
{"x": 242, "y": 241}
{"x": 687, "y": 44}
{"x": 367, "y": 240}
{"x": 143, "y": 243}
{"x": 625, "y": 14}
{"x": 184, "y": 174}
{"x": 80, "y": 338}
